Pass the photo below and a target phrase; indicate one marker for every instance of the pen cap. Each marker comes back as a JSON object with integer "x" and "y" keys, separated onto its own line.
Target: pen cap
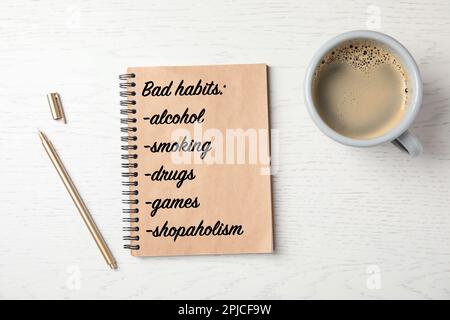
{"x": 54, "y": 101}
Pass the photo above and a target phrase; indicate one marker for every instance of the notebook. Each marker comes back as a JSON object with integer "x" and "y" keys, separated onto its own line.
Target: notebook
{"x": 197, "y": 160}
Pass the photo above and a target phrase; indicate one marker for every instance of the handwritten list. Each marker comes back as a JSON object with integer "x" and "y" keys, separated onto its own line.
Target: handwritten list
{"x": 196, "y": 195}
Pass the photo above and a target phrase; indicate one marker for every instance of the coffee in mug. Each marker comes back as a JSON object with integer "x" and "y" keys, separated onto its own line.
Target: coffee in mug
{"x": 360, "y": 89}
{"x": 363, "y": 88}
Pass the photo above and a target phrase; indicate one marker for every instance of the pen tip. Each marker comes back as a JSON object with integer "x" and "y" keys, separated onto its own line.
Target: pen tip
{"x": 41, "y": 134}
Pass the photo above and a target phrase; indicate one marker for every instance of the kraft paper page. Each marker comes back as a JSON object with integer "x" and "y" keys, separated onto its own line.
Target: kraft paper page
{"x": 203, "y": 160}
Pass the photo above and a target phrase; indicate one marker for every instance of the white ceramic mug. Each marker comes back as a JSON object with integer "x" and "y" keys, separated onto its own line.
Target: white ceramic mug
{"x": 398, "y": 135}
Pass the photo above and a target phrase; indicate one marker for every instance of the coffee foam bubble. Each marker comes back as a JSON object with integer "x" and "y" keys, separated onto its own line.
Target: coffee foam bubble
{"x": 362, "y": 55}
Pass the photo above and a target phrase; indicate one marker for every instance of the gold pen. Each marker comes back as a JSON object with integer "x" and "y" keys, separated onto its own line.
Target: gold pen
{"x": 87, "y": 218}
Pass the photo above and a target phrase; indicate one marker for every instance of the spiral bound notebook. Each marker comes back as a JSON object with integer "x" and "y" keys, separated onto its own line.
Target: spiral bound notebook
{"x": 197, "y": 161}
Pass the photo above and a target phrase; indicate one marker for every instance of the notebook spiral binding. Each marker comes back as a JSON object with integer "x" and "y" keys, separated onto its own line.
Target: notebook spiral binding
{"x": 127, "y": 84}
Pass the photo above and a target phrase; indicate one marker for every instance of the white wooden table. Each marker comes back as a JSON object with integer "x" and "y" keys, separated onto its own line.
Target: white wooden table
{"x": 349, "y": 223}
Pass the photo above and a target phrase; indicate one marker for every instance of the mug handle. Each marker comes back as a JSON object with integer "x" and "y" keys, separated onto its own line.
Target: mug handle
{"x": 408, "y": 142}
